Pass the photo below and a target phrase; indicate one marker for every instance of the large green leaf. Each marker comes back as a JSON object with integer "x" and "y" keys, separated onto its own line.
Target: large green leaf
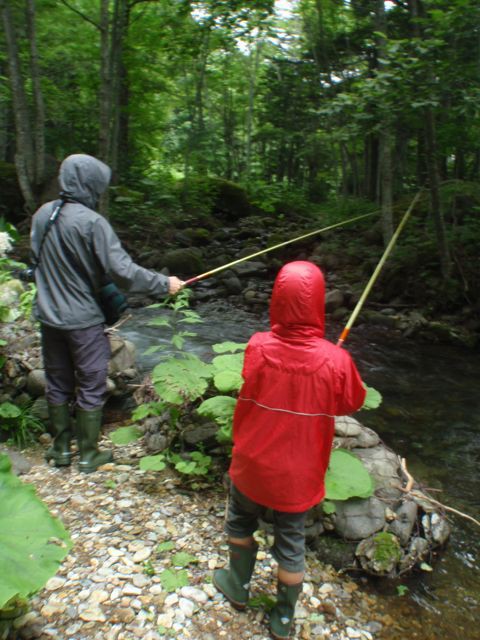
{"x": 229, "y": 347}
{"x": 125, "y": 435}
{"x": 347, "y": 477}
{"x": 227, "y": 381}
{"x": 373, "y": 399}
{"x": 32, "y": 542}
{"x": 219, "y": 408}
{"x": 180, "y": 380}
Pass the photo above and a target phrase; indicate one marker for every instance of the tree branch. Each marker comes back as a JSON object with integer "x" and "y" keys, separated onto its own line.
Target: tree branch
{"x": 82, "y": 15}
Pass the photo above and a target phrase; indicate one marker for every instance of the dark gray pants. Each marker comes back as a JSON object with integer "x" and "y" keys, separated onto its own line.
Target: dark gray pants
{"x": 76, "y": 365}
{"x": 288, "y": 529}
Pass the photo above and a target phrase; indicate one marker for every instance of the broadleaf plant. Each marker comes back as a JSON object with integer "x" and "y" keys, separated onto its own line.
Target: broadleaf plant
{"x": 347, "y": 477}
{"x": 33, "y": 543}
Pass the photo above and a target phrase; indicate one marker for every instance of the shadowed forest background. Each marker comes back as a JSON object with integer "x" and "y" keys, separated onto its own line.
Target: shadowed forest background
{"x": 305, "y": 111}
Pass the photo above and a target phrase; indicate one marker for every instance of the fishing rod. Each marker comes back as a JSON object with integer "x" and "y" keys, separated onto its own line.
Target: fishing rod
{"x": 374, "y": 276}
{"x": 277, "y": 246}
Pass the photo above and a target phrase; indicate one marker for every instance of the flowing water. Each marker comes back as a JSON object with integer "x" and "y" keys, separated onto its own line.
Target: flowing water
{"x": 431, "y": 416}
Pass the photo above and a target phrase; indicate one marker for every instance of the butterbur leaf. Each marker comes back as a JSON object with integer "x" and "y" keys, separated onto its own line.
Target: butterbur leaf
{"x": 228, "y": 381}
{"x": 125, "y": 435}
{"x": 153, "y": 463}
{"x": 373, "y": 399}
{"x": 32, "y": 542}
{"x": 167, "y": 545}
{"x": 347, "y": 477}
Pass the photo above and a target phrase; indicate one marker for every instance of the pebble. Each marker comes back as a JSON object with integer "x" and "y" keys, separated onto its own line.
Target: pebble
{"x": 100, "y": 591}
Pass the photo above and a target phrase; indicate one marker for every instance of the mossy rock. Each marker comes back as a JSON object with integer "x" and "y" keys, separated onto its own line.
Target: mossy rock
{"x": 380, "y": 554}
{"x": 184, "y": 262}
{"x": 210, "y": 195}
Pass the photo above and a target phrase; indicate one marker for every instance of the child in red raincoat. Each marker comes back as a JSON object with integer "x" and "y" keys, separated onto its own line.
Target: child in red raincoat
{"x": 295, "y": 382}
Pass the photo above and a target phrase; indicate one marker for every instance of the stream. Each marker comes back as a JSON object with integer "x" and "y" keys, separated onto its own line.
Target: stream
{"x": 430, "y": 415}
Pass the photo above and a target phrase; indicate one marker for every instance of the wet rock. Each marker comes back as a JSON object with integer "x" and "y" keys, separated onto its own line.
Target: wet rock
{"x": 380, "y": 554}
{"x": 405, "y": 518}
{"x": 357, "y": 519}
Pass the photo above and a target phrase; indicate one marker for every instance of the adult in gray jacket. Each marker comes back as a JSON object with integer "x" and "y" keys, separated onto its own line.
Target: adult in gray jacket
{"x": 79, "y": 251}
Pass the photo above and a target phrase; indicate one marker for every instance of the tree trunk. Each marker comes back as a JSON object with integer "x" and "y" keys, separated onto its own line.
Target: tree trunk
{"x": 39, "y": 121}
{"x": 252, "y": 82}
{"x": 434, "y": 179}
{"x": 386, "y": 184}
{"x": 105, "y": 90}
{"x": 24, "y": 156}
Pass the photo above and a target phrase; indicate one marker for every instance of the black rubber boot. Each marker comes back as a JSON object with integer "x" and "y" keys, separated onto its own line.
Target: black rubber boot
{"x": 88, "y": 430}
{"x": 234, "y": 582}
{"x": 281, "y": 617}
{"x": 61, "y": 430}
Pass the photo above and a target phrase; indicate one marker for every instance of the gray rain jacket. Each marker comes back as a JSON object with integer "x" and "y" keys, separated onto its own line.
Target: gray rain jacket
{"x": 80, "y": 250}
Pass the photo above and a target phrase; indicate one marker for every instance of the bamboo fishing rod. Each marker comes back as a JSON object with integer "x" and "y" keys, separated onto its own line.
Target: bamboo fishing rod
{"x": 277, "y": 246}
{"x": 378, "y": 268}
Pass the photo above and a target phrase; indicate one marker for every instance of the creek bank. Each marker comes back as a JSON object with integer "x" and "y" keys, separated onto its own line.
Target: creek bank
{"x": 387, "y": 535}
{"x": 129, "y": 527}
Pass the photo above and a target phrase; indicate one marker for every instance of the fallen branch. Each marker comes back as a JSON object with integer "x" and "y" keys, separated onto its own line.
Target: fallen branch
{"x": 422, "y": 496}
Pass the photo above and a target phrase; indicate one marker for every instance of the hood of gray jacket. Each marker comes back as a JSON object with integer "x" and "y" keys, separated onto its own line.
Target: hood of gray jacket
{"x": 84, "y": 178}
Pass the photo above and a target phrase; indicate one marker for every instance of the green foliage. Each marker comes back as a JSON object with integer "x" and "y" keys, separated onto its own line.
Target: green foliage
{"x": 19, "y": 423}
{"x": 195, "y": 463}
{"x": 227, "y": 372}
{"x": 262, "y": 601}
{"x": 32, "y": 542}
{"x": 125, "y": 435}
{"x": 373, "y": 399}
{"x": 328, "y": 507}
{"x": 171, "y": 580}
{"x": 347, "y": 477}
{"x": 220, "y": 409}
{"x": 402, "y": 590}
{"x": 153, "y": 463}
{"x": 183, "y": 559}
{"x": 167, "y": 545}
{"x": 180, "y": 380}
{"x": 386, "y": 550}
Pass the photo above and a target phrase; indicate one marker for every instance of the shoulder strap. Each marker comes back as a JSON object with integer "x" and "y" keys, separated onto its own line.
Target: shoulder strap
{"x": 57, "y": 206}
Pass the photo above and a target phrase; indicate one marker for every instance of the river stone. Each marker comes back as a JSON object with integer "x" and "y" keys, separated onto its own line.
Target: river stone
{"x": 357, "y": 519}
{"x": 36, "y": 383}
{"x": 249, "y": 268}
{"x": 188, "y": 261}
{"x": 346, "y": 426}
{"x": 193, "y": 434}
{"x": 404, "y": 522}
{"x": 333, "y": 300}
{"x": 123, "y": 355}
{"x": 383, "y": 465}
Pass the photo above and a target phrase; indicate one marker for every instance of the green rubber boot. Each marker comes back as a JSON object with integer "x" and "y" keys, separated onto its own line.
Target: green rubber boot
{"x": 88, "y": 431}
{"x": 235, "y": 581}
{"x": 61, "y": 430}
{"x": 281, "y": 617}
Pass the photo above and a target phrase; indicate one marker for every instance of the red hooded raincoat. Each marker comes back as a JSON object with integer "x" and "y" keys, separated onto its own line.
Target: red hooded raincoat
{"x": 295, "y": 382}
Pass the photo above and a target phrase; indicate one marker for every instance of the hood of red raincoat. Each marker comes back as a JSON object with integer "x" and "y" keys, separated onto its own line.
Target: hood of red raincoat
{"x": 297, "y": 306}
